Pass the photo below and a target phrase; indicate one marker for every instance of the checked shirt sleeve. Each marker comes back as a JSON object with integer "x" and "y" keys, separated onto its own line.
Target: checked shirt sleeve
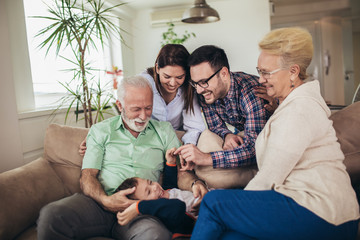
{"x": 213, "y": 120}
{"x": 244, "y": 155}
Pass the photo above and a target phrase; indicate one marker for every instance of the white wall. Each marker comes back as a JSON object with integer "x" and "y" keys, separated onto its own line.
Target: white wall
{"x": 332, "y": 44}
{"x": 10, "y": 147}
{"x": 243, "y": 23}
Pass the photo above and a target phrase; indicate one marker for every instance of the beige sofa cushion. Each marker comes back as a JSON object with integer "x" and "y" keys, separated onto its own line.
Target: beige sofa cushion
{"x": 221, "y": 177}
{"x": 347, "y": 124}
{"x": 61, "y": 148}
{"x": 24, "y": 191}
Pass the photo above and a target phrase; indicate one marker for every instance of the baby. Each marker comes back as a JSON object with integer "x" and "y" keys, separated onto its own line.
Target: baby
{"x": 172, "y": 205}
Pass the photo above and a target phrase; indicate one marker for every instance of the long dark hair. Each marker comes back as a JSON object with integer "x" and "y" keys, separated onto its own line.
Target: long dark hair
{"x": 174, "y": 55}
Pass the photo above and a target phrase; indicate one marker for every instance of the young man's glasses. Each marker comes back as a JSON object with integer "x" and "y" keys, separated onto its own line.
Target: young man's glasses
{"x": 203, "y": 83}
{"x": 265, "y": 74}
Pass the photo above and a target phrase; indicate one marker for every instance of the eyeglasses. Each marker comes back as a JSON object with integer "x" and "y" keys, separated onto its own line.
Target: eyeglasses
{"x": 265, "y": 74}
{"x": 203, "y": 83}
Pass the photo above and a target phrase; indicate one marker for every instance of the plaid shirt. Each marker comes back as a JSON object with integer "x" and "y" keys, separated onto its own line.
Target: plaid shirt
{"x": 243, "y": 110}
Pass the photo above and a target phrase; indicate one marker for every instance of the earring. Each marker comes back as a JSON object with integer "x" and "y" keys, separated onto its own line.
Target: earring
{"x": 292, "y": 84}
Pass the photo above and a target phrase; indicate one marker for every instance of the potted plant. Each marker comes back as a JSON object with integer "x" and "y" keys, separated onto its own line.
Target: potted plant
{"x": 76, "y": 24}
{"x": 170, "y": 36}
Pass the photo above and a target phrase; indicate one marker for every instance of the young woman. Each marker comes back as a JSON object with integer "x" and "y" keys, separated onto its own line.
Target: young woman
{"x": 174, "y": 98}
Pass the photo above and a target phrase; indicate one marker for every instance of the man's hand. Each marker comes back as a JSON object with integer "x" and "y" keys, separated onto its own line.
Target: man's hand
{"x": 184, "y": 165}
{"x": 170, "y": 157}
{"x": 118, "y": 201}
{"x": 127, "y": 215}
{"x": 190, "y": 156}
{"x": 91, "y": 187}
{"x": 232, "y": 141}
{"x": 82, "y": 147}
{"x": 261, "y": 92}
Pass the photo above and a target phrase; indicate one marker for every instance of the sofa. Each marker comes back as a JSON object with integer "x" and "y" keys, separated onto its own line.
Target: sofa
{"x": 55, "y": 175}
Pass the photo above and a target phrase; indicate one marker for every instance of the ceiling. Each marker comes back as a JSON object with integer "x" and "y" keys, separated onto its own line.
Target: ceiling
{"x": 293, "y": 2}
{"x": 157, "y": 4}
{"x": 149, "y": 4}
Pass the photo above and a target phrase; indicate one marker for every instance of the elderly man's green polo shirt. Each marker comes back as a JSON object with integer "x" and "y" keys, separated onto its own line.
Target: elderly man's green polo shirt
{"x": 119, "y": 155}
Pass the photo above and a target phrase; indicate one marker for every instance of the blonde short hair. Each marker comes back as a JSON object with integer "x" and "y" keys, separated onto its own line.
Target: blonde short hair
{"x": 294, "y": 45}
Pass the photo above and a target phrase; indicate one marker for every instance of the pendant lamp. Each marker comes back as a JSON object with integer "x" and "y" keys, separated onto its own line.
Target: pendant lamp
{"x": 200, "y": 13}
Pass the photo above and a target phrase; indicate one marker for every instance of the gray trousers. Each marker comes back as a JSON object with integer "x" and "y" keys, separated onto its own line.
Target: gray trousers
{"x": 80, "y": 217}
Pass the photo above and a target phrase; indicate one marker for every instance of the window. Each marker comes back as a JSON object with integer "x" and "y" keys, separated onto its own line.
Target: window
{"x": 48, "y": 70}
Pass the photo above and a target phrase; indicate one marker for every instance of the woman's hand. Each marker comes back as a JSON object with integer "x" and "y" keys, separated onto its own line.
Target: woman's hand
{"x": 82, "y": 147}
{"x": 127, "y": 215}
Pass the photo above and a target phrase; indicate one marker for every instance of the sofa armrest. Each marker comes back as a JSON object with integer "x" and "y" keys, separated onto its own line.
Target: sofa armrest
{"x": 346, "y": 123}
{"x": 24, "y": 191}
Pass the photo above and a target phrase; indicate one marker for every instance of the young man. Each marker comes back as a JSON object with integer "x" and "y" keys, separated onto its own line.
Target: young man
{"x": 117, "y": 148}
{"x": 226, "y": 98}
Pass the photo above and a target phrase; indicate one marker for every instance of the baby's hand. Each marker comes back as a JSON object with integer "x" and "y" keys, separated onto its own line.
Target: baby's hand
{"x": 127, "y": 215}
{"x": 170, "y": 157}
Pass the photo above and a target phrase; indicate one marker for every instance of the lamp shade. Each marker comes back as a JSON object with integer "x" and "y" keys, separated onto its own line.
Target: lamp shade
{"x": 200, "y": 13}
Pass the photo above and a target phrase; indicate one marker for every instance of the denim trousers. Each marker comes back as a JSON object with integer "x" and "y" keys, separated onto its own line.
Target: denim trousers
{"x": 80, "y": 217}
{"x": 241, "y": 214}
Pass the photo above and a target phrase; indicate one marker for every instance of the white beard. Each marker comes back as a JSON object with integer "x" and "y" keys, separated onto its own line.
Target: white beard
{"x": 131, "y": 122}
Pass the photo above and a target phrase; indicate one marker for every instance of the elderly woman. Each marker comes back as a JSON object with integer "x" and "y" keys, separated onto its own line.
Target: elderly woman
{"x": 302, "y": 190}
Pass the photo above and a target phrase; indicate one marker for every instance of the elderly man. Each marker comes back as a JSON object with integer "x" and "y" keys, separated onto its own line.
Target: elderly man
{"x": 130, "y": 145}
{"x": 222, "y": 158}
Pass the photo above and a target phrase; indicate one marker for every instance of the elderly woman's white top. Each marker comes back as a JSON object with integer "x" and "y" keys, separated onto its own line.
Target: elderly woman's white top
{"x": 191, "y": 122}
{"x": 298, "y": 155}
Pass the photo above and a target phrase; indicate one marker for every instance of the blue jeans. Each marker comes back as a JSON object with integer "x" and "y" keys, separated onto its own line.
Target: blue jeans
{"x": 239, "y": 214}
{"x": 80, "y": 217}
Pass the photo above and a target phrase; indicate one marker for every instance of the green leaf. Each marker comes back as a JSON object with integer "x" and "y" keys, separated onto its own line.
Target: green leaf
{"x": 170, "y": 36}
